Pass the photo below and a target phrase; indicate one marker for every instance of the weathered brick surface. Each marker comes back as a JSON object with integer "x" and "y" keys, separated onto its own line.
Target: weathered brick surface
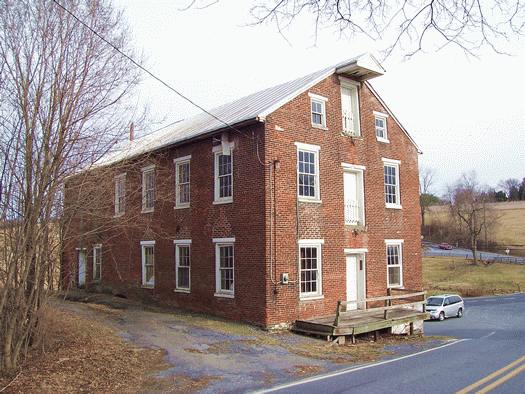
{"x": 258, "y": 189}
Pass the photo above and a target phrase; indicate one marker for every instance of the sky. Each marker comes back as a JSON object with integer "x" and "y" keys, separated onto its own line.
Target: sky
{"x": 465, "y": 113}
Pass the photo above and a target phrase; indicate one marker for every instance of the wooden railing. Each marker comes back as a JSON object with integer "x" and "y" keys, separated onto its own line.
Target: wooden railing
{"x": 393, "y": 295}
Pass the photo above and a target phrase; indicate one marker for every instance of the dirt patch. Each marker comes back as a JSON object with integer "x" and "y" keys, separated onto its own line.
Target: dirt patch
{"x": 179, "y": 384}
{"x": 79, "y": 355}
{"x": 304, "y": 370}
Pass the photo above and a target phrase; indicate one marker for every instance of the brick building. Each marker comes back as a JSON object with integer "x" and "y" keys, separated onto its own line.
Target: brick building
{"x": 271, "y": 210}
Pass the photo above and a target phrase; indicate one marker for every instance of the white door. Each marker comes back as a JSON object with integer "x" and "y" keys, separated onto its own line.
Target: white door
{"x": 351, "y": 198}
{"x": 355, "y": 281}
{"x": 81, "y": 267}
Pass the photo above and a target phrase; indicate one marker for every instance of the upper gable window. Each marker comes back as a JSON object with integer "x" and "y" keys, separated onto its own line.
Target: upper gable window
{"x": 350, "y": 110}
{"x": 318, "y": 110}
{"x": 381, "y": 126}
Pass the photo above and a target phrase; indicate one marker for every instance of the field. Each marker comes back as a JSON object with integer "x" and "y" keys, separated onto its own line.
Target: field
{"x": 511, "y": 229}
{"x": 457, "y": 275}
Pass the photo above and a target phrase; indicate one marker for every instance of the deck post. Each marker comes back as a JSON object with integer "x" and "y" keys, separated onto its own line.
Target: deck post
{"x": 337, "y": 311}
{"x": 411, "y": 328}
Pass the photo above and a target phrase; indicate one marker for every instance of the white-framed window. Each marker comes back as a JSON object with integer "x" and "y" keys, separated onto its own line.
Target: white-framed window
{"x": 308, "y": 172}
{"x": 120, "y": 194}
{"x": 310, "y": 268}
{"x": 148, "y": 188}
{"x": 380, "y": 120}
{"x": 318, "y": 110}
{"x": 223, "y": 177}
{"x": 394, "y": 262}
{"x": 182, "y": 182}
{"x": 350, "y": 109}
{"x": 354, "y": 194}
{"x": 391, "y": 176}
{"x": 182, "y": 264}
{"x": 148, "y": 263}
{"x": 97, "y": 263}
{"x": 224, "y": 267}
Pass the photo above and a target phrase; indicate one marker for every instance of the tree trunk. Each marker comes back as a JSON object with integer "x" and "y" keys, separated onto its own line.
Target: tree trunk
{"x": 474, "y": 249}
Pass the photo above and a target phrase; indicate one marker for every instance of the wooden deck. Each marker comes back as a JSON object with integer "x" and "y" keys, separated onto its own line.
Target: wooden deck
{"x": 352, "y": 323}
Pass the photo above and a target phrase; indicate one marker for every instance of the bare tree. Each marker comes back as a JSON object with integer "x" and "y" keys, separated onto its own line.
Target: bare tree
{"x": 409, "y": 25}
{"x": 468, "y": 205}
{"x": 426, "y": 181}
{"x": 511, "y": 187}
{"x": 64, "y": 105}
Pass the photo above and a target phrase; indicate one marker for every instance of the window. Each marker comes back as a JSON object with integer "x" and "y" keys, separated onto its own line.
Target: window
{"x": 148, "y": 263}
{"x": 148, "y": 189}
{"x": 223, "y": 177}
{"x": 224, "y": 267}
{"x": 354, "y": 200}
{"x": 120, "y": 194}
{"x": 380, "y": 126}
{"x": 394, "y": 260}
{"x": 318, "y": 110}
{"x": 308, "y": 172}
{"x": 350, "y": 110}
{"x": 182, "y": 182}
{"x": 97, "y": 263}
{"x": 310, "y": 268}
{"x": 182, "y": 264}
{"x": 391, "y": 174}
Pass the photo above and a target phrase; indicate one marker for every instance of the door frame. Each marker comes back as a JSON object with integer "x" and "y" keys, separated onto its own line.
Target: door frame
{"x": 81, "y": 250}
{"x": 360, "y": 253}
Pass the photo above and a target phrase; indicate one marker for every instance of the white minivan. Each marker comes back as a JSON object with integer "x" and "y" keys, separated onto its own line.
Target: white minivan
{"x": 447, "y": 305}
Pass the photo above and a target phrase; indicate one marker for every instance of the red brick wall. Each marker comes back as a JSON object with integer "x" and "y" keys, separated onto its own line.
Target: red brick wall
{"x": 326, "y": 220}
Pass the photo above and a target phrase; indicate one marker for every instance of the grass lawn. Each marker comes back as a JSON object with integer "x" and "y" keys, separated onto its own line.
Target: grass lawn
{"x": 457, "y": 275}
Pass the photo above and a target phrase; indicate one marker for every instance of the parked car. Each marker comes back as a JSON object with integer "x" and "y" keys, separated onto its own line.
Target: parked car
{"x": 445, "y": 246}
{"x": 443, "y": 306}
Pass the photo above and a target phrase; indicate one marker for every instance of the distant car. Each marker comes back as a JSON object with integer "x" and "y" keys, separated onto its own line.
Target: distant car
{"x": 445, "y": 246}
{"x": 443, "y": 306}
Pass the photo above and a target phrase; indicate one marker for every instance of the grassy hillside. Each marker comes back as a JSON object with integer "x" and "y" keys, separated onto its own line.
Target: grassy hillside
{"x": 511, "y": 228}
{"x": 457, "y": 275}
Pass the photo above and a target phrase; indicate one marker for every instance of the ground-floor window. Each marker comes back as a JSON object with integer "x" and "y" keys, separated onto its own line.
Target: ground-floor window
{"x": 224, "y": 266}
{"x": 394, "y": 261}
{"x": 310, "y": 268}
{"x": 148, "y": 263}
{"x": 182, "y": 264}
{"x": 97, "y": 263}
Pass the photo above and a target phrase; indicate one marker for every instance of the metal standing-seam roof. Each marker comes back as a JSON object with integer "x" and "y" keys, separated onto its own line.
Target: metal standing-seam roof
{"x": 254, "y": 106}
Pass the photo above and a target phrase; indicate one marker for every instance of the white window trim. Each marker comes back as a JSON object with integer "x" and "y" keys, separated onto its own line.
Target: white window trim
{"x": 321, "y": 100}
{"x": 216, "y": 198}
{"x": 397, "y": 164}
{"x": 178, "y": 162}
{"x": 311, "y": 243}
{"x": 177, "y": 243}
{"x": 395, "y": 242}
{"x": 218, "y": 291}
{"x": 315, "y": 150}
{"x": 95, "y": 247}
{"x": 150, "y": 285}
{"x": 144, "y": 170}
{"x": 353, "y": 86}
{"x": 355, "y": 250}
{"x": 117, "y": 179}
{"x": 360, "y": 171}
{"x": 384, "y": 117}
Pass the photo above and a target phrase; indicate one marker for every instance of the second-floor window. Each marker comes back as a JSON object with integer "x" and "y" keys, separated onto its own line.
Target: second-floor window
{"x": 148, "y": 189}
{"x": 120, "y": 194}
{"x": 223, "y": 177}
{"x": 391, "y": 175}
{"x": 182, "y": 182}
{"x": 350, "y": 110}
{"x": 308, "y": 172}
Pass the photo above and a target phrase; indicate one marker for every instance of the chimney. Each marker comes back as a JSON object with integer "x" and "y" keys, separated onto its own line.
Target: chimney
{"x": 132, "y": 131}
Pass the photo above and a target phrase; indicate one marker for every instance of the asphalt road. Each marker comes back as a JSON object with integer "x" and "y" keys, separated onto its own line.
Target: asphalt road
{"x": 490, "y": 337}
{"x": 433, "y": 250}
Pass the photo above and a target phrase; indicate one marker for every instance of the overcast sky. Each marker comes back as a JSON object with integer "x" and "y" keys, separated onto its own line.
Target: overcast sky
{"x": 464, "y": 113}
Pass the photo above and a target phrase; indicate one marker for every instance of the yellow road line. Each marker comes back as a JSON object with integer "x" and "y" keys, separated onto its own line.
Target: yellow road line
{"x": 502, "y": 380}
{"x": 491, "y": 376}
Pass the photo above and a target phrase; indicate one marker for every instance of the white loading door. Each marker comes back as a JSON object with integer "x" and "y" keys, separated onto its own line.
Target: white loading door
{"x": 351, "y": 198}
{"x": 81, "y": 267}
{"x": 351, "y": 282}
